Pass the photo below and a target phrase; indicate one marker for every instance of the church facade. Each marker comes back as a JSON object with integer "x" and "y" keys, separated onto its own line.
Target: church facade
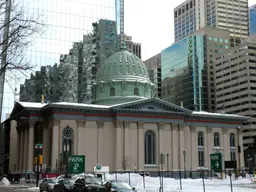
{"x": 126, "y": 127}
{"x": 128, "y": 136}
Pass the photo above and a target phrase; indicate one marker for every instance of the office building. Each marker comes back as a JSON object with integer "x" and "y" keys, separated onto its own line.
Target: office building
{"x": 236, "y": 85}
{"x": 224, "y": 14}
{"x": 132, "y": 46}
{"x": 67, "y": 22}
{"x": 252, "y": 12}
{"x": 188, "y": 70}
{"x": 154, "y": 68}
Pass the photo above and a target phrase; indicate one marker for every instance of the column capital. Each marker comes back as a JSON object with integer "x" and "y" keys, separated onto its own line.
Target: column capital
{"x": 119, "y": 123}
{"x": 181, "y": 127}
{"x": 100, "y": 124}
{"x": 32, "y": 123}
{"x": 127, "y": 124}
{"x": 193, "y": 129}
{"x": 161, "y": 126}
{"x": 140, "y": 124}
{"x": 80, "y": 122}
{"x": 224, "y": 130}
{"x": 175, "y": 126}
{"x": 56, "y": 122}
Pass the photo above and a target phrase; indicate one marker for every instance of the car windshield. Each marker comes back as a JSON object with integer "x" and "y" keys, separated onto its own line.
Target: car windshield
{"x": 68, "y": 181}
{"x": 92, "y": 180}
{"x": 120, "y": 185}
{"x": 52, "y": 180}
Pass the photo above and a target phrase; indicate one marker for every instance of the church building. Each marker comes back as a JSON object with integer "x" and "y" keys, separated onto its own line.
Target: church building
{"x": 125, "y": 128}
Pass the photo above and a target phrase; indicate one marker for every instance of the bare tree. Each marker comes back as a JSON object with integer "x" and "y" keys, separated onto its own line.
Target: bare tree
{"x": 125, "y": 162}
{"x": 17, "y": 27}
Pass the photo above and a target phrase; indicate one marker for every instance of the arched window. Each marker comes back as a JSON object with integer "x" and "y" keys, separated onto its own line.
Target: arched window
{"x": 200, "y": 147}
{"x": 216, "y": 141}
{"x": 112, "y": 91}
{"x": 150, "y": 148}
{"x": 67, "y": 140}
{"x": 200, "y": 139}
{"x": 136, "y": 91}
{"x": 232, "y": 141}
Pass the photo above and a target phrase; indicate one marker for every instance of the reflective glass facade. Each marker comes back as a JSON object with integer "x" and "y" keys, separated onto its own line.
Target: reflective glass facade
{"x": 184, "y": 74}
{"x": 67, "y": 21}
{"x": 253, "y": 20}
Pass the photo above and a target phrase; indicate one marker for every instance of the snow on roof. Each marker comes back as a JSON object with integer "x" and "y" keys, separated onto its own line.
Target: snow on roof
{"x": 32, "y": 104}
{"x": 82, "y": 105}
{"x": 216, "y": 114}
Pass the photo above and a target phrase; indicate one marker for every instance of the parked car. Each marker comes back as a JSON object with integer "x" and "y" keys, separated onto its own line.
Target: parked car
{"x": 47, "y": 184}
{"x": 86, "y": 184}
{"x": 64, "y": 185}
{"x": 116, "y": 186}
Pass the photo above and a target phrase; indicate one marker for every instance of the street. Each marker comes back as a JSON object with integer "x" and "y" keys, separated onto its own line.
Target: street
{"x": 18, "y": 188}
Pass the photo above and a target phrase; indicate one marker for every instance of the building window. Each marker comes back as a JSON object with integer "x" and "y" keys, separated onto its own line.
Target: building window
{"x": 200, "y": 139}
{"x": 216, "y": 139}
{"x": 150, "y": 148}
{"x": 67, "y": 140}
{"x": 232, "y": 147}
{"x": 136, "y": 91}
{"x": 232, "y": 140}
{"x": 112, "y": 91}
{"x": 200, "y": 147}
{"x": 210, "y": 38}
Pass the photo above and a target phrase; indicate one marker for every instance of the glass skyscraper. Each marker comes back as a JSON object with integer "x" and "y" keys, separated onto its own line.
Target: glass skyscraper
{"x": 184, "y": 73}
{"x": 66, "y": 22}
{"x": 253, "y": 20}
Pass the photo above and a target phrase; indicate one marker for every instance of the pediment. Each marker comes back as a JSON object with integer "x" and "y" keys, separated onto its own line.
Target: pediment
{"x": 154, "y": 104}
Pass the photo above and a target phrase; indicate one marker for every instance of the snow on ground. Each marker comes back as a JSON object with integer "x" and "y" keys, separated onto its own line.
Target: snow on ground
{"x": 33, "y": 189}
{"x": 4, "y": 182}
{"x": 152, "y": 184}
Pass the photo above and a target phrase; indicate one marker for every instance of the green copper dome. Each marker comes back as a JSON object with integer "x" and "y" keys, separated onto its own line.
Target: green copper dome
{"x": 122, "y": 78}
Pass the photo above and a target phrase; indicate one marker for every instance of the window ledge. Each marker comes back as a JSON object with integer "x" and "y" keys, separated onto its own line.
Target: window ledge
{"x": 151, "y": 166}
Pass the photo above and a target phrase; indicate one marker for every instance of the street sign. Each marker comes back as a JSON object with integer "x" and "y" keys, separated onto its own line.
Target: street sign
{"x": 38, "y": 145}
{"x": 76, "y": 164}
{"x": 216, "y": 162}
{"x": 98, "y": 167}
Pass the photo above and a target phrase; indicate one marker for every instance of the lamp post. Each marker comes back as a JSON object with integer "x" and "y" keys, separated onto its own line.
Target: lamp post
{"x": 184, "y": 154}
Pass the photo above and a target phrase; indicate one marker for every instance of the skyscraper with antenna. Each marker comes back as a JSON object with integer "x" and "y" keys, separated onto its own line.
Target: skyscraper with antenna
{"x": 120, "y": 21}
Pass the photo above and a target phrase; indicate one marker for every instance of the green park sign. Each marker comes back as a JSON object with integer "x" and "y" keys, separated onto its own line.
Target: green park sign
{"x": 216, "y": 162}
{"x": 76, "y": 164}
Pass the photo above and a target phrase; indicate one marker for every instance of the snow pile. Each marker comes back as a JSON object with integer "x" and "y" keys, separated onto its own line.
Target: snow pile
{"x": 152, "y": 184}
{"x": 4, "y": 182}
{"x": 33, "y": 189}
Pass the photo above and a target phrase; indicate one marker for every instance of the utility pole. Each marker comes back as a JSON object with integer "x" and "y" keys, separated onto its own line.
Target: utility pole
{"x": 4, "y": 51}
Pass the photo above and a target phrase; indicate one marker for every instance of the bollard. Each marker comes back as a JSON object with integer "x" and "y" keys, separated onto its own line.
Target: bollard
{"x": 231, "y": 185}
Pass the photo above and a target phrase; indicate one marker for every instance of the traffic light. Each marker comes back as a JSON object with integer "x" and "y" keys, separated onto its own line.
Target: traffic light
{"x": 35, "y": 161}
{"x": 40, "y": 159}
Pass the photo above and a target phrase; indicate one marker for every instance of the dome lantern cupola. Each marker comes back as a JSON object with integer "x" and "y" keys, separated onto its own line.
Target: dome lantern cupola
{"x": 122, "y": 78}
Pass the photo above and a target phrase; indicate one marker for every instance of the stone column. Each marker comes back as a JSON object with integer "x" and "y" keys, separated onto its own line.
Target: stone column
{"x": 194, "y": 150}
{"x": 80, "y": 136}
{"x": 55, "y": 143}
{"x": 209, "y": 146}
{"x": 46, "y": 146}
{"x": 21, "y": 148}
{"x": 31, "y": 144}
{"x": 18, "y": 149}
{"x": 160, "y": 143}
{"x": 119, "y": 145}
{"x": 140, "y": 164}
{"x": 226, "y": 144}
{"x": 25, "y": 157}
{"x": 175, "y": 145}
{"x": 126, "y": 144}
{"x": 182, "y": 145}
{"x": 100, "y": 125}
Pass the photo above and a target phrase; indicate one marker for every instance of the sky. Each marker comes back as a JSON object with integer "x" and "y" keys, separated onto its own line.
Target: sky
{"x": 151, "y": 23}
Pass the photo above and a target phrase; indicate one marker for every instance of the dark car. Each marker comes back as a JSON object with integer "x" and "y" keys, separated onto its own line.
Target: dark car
{"x": 116, "y": 186}
{"x": 86, "y": 184}
{"x": 64, "y": 185}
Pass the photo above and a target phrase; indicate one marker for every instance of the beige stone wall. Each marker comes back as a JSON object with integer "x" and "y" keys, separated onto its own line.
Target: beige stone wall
{"x": 13, "y": 163}
{"x": 120, "y": 144}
